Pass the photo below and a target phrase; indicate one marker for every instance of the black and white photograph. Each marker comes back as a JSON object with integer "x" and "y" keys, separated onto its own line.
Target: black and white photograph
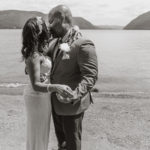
{"x": 75, "y": 75}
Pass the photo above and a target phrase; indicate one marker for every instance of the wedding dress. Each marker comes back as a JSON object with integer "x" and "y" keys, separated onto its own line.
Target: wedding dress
{"x": 38, "y": 108}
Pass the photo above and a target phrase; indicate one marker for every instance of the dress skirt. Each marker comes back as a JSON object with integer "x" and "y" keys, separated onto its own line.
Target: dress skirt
{"x": 38, "y": 108}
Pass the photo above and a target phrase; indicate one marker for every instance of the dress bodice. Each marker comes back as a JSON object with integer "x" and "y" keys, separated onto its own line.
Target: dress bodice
{"x": 45, "y": 69}
{"x": 45, "y": 65}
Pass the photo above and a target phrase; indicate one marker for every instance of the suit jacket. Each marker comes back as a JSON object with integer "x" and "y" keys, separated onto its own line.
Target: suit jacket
{"x": 78, "y": 72}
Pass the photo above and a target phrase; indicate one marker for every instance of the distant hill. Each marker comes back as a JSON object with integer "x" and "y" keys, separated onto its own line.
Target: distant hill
{"x": 15, "y": 19}
{"x": 83, "y": 23}
{"x": 142, "y": 22}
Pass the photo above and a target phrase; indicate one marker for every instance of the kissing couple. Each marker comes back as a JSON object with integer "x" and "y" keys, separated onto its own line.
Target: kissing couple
{"x": 62, "y": 69}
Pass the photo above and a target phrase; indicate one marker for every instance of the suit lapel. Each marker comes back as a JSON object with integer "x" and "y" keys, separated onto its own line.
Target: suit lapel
{"x": 57, "y": 60}
{"x": 55, "y": 51}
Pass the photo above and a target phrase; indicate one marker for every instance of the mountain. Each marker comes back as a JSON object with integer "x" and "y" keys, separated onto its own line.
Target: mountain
{"x": 83, "y": 23}
{"x": 142, "y": 22}
{"x": 15, "y": 19}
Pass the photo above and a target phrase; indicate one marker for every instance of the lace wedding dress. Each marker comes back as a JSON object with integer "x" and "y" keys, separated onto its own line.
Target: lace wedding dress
{"x": 38, "y": 108}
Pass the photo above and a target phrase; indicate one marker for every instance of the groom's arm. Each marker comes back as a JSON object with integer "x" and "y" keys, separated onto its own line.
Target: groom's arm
{"x": 87, "y": 61}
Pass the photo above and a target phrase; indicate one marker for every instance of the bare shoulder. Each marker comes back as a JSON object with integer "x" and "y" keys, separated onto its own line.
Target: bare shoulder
{"x": 33, "y": 58}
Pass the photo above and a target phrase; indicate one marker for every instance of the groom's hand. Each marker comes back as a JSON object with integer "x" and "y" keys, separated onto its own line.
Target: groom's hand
{"x": 73, "y": 100}
{"x": 62, "y": 99}
{"x": 65, "y": 91}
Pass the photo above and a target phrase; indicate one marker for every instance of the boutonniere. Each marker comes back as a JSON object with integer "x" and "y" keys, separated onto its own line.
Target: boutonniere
{"x": 66, "y": 49}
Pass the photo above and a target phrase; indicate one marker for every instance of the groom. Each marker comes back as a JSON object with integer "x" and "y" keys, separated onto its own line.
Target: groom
{"x": 75, "y": 65}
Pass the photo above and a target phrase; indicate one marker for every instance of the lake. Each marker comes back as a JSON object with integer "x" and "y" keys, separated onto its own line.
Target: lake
{"x": 123, "y": 56}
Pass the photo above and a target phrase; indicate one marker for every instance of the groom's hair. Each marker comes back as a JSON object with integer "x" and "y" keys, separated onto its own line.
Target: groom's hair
{"x": 62, "y": 12}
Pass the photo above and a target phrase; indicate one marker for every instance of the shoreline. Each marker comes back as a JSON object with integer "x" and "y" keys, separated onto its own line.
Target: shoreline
{"x": 18, "y": 91}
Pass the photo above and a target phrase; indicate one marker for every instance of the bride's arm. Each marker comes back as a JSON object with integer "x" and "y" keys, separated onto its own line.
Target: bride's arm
{"x": 34, "y": 73}
{"x": 33, "y": 65}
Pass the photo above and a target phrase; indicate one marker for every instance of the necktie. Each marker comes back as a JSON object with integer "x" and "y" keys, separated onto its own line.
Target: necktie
{"x": 57, "y": 50}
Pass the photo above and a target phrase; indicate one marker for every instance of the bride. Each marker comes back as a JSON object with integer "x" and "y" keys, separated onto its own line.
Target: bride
{"x": 37, "y": 92}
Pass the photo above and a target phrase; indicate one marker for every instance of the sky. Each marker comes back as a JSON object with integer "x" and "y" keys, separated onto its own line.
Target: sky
{"x": 98, "y": 12}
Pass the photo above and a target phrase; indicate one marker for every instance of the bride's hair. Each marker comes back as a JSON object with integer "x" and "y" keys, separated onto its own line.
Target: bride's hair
{"x": 32, "y": 38}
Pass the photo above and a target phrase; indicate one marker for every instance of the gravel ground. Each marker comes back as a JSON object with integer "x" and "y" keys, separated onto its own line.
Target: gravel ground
{"x": 109, "y": 124}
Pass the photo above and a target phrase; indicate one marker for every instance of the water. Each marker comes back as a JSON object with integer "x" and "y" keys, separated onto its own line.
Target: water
{"x": 123, "y": 56}
{"x": 12, "y": 68}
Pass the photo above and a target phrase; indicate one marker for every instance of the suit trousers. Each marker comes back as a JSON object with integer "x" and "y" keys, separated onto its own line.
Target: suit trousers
{"x": 68, "y": 130}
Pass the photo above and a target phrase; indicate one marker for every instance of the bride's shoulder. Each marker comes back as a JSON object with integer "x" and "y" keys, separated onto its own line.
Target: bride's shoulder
{"x": 36, "y": 55}
{"x": 32, "y": 61}
{"x": 34, "y": 58}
